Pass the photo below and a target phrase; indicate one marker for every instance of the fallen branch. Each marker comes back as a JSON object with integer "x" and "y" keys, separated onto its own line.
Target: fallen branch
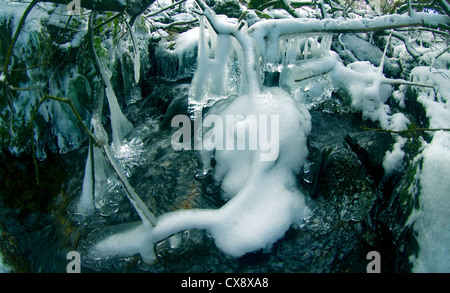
{"x": 401, "y": 81}
{"x": 408, "y": 45}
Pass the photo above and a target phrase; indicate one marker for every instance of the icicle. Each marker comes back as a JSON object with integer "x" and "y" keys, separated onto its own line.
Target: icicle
{"x": 86, "y": 204}
{"x": 380, "y": 69}
{"x": 305, "y": 50}
{"x": 137, "y": 57}
{"x": 121, "y": 127}
{"x": 198, "y": 83}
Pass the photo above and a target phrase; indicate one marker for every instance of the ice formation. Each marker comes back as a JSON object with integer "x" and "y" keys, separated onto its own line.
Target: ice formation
{"x": 263, "y": 200}
{"x": 263, "y": 197}
{"x": 86, "y": 204}
{"x": 175, "y": 59}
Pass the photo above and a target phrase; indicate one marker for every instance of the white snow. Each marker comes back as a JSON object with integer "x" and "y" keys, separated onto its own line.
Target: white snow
{"x": 393, "y": 160}
{"x": 431, "y": 220}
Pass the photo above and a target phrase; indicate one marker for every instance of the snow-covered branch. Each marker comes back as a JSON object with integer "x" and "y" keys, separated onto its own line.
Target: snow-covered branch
{"x": 267, "y": 33}
{"x": 243, "y": 39}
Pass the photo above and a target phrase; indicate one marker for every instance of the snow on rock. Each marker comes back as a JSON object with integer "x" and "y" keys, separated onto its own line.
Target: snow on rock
{"x": 393, "y": 160}
{"x": 431, "y": 219}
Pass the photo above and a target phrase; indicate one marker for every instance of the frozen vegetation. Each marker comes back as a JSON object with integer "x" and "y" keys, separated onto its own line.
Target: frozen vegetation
{"x": 276, "y": 63}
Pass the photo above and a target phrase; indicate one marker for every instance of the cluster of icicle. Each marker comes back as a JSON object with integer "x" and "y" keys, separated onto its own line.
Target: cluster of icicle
{"x": 263, "y": 197}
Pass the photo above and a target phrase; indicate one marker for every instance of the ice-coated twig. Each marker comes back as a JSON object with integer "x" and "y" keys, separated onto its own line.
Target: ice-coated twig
{"x": 405, "y": 131}
{"x": 408, "y": 45}
{"x": 380, "y": 69}
{"x": 140, "y": 207}
{"x": 119, "y": 123}
{"x": 267, "y": 33}
{"x": 14, "y": 39}
{"x": 243, "y": 39}
{"x": 146, "y": 216}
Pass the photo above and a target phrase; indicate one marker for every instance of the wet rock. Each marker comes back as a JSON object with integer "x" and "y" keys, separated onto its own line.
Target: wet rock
{"x": 344, "y": 181}
{"x": 371, "y": 146}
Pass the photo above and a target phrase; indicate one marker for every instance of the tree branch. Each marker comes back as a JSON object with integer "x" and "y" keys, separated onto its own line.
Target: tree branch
{"x": 266, "y": 33}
